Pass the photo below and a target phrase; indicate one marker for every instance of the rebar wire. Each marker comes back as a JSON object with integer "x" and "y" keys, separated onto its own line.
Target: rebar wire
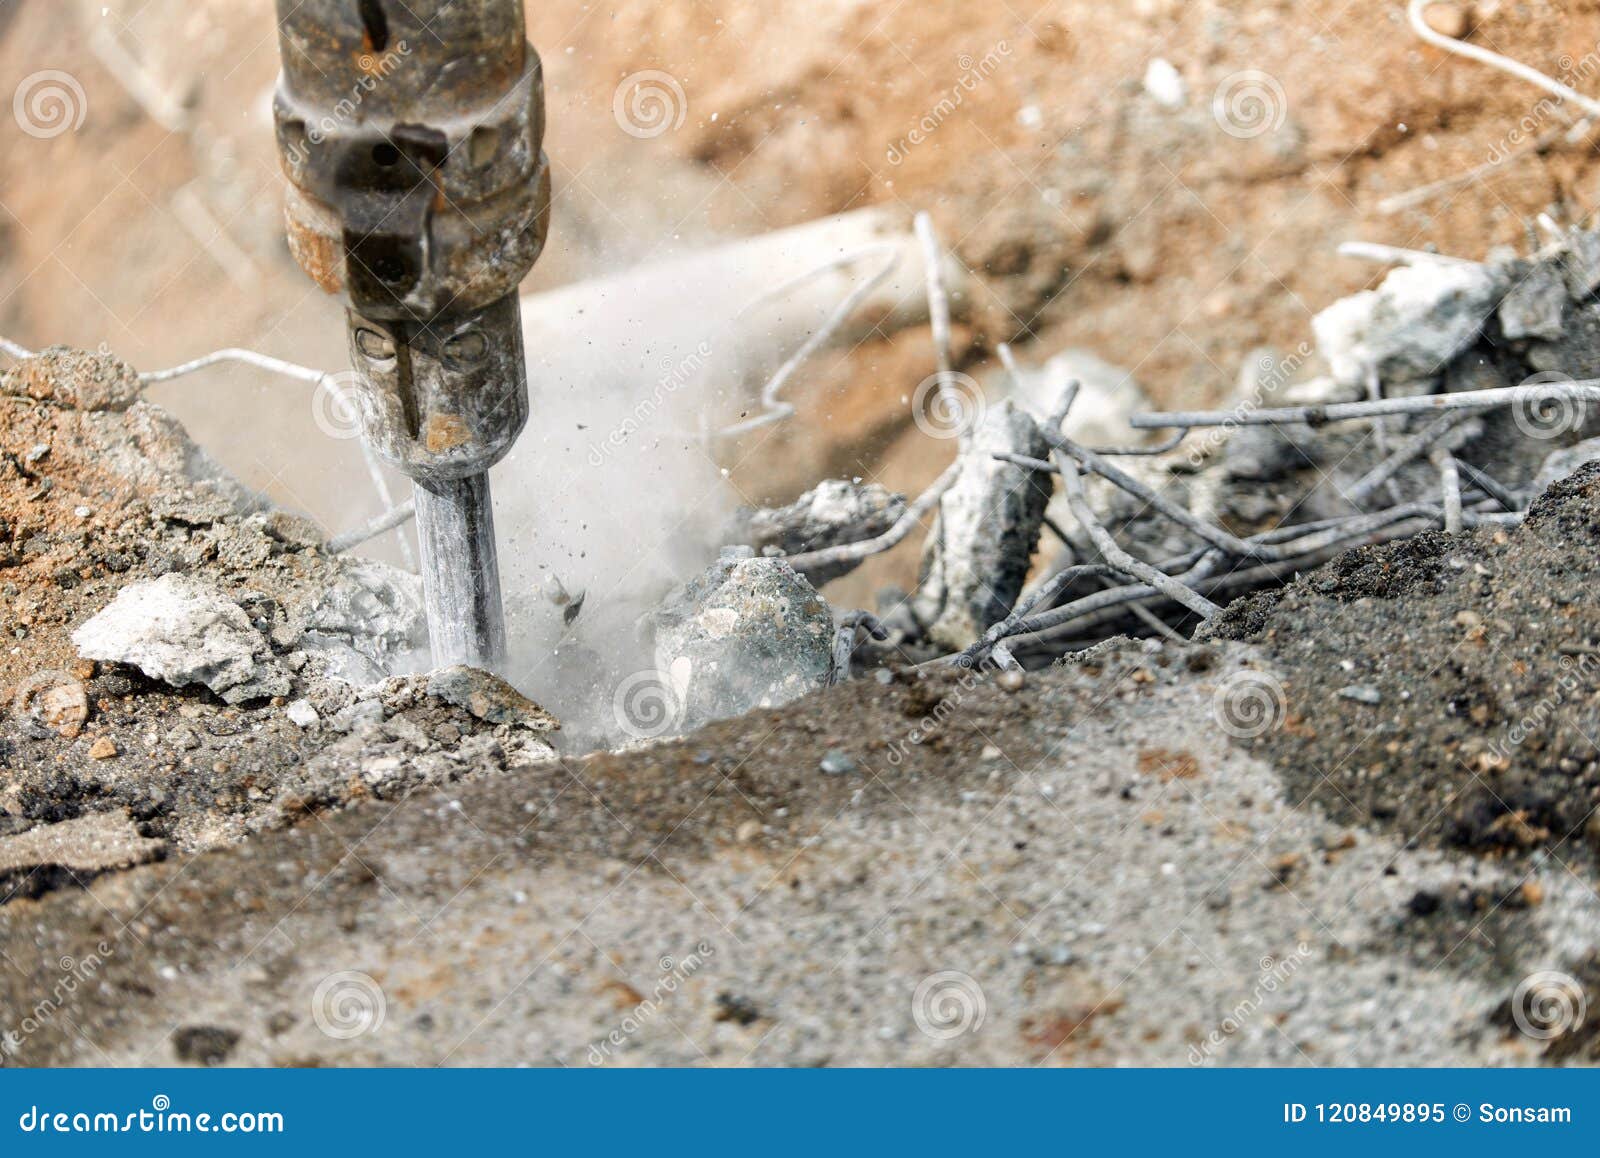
{"x": 1396, "y": 255}
{"x": 1410, "y": 448}
{"x": 1450, "y": 482}
{"x": 866, "y": 548}
{"x": 1490, "y": 485}
{"x": 232, "y": 354}
{"x": 1585, "y": 390}
{"x": 938, "y": 312}
{"x": 1419, "y": 25}
{"x": 775, "y": 409}
{"x": 388, "y": 521}
{"x": 851, "y": 623}
{"x": 1115, "y": 556}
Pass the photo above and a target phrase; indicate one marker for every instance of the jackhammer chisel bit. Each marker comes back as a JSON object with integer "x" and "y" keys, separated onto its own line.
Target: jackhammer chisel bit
{"x": 411, "y": 135}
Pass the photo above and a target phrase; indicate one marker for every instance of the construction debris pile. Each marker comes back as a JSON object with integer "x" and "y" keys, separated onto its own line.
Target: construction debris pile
{"x": 1452, "y": 400}
{"x": 156, "y": 607}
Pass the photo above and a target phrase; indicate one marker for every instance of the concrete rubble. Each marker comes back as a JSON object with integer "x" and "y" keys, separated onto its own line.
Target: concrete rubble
{"x": 1107, "y": 394}
{"x": 77, "y": 849}
{"x": 489, "y": 698}
{"x": 368, "y": 622}
{"x": 747, "y": 633}
{"x": 833, "y": 512}
{"x": 183, "y": 631}
{"x": 1412, "y": 325}
{"x": 976, "y": 557}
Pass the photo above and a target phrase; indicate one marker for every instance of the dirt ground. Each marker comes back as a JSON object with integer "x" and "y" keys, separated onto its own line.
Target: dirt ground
{"x": 1159, "y": 853}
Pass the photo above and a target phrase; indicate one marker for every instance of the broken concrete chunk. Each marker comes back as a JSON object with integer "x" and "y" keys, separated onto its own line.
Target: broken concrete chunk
{"x": 976, "y": 557}
{"x": 1536, "y": 303}
{"x": 1410, "y": 326}
{"x": 489, "y": 698}
{"x": 831, "y": 513}
{"x": 293, "y": 531}
{"x": 367, "y": 624}
{"x": 301, "y": 714}
{"x": 95, "y": 843}
{"x": 75, "y": 379}
{"x": 748, "y": 633}
{"x": 192, "y": 508}
{"x": 184, "y": 631}
{"x": 1580, "y": 264}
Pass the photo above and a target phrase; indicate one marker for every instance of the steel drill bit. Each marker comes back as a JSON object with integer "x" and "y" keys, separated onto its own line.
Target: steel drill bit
{"x": 411, "y": 135}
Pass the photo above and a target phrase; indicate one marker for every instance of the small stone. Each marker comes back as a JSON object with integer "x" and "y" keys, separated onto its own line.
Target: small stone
{"x": 293, "y": 530}
{"x": 302, "y": 714}
{"x": 1446, "y": 19}
{"x": 204, "y": 1045}
{"x": 1362, "y": 694}
{"x": 1052, "y": 955}
{"x": 837, "y": 762}
{"x": 358, "y": 717}
{"x": 103, "y": 749}
{"x": 1011, "y": 681}
{"x": 990, "y": 752}
{"x": 747, "y": 831}
{"x": 1164, "y": 84}
{"x": 183, "y": 738}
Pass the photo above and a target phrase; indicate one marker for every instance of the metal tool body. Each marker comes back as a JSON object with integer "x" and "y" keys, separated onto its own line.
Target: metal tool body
{"x": 411, "y": 134}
